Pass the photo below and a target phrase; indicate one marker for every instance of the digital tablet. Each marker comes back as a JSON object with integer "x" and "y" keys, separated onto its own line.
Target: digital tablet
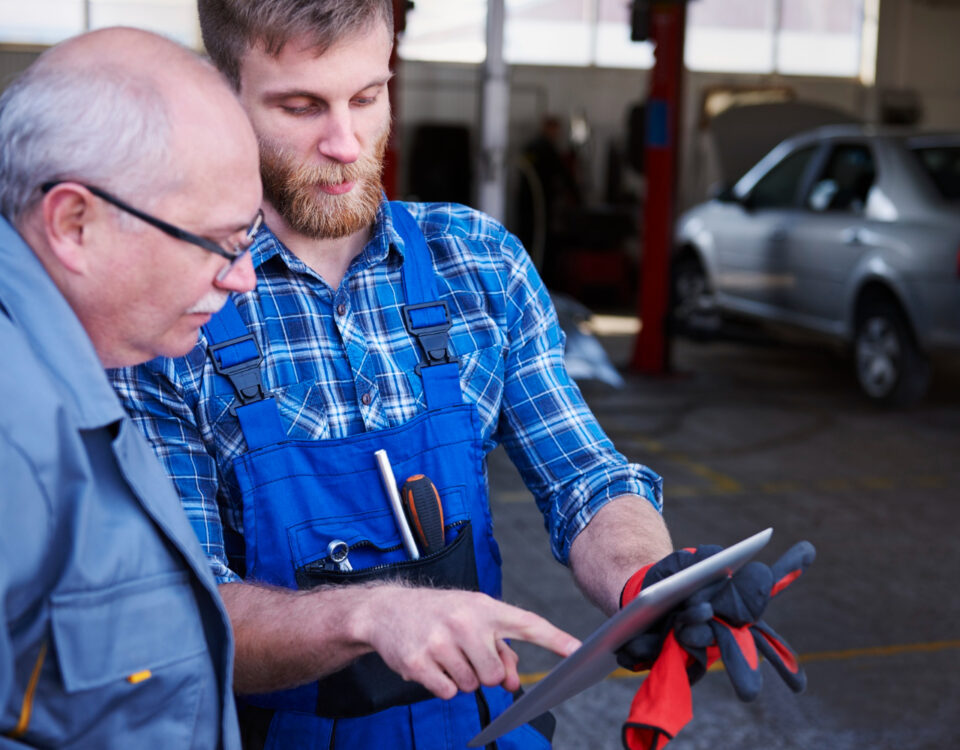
{"x": 595, "y": 658}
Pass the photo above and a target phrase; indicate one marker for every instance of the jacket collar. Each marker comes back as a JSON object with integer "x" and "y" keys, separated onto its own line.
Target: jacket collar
{"x": 35, "y": 305}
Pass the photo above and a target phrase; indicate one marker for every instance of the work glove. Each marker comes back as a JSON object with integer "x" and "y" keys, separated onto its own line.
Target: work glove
{"x": 720, "y": 621}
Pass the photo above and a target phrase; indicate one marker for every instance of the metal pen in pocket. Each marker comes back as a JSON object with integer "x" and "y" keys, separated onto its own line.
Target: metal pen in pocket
{"x": 390, "y": 485}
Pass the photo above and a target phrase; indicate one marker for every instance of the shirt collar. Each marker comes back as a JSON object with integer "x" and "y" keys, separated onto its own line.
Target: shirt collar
{"x": 384, "y": 237}
{"x": 48, "y": 323}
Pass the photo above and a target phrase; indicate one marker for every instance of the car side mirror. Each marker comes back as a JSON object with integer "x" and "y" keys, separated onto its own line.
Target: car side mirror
{"x": 721, "y": 191}
{"x": 726, "y": 194}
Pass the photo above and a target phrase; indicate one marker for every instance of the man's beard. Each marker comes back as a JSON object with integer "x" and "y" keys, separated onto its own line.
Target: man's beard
{"x": 293, "y": 190}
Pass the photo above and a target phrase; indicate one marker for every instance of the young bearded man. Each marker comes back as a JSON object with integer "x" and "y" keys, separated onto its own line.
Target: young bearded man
{"x": 418, "y": 329}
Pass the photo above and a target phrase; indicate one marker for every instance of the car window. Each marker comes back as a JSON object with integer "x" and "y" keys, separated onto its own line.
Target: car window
{"x": 942, "y": 163}
{"x": 845, "y": 181}
{"x": 778, "y": 187}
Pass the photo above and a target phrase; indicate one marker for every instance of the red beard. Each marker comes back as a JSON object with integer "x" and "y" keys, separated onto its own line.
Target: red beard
{"x": 292, "y": 189}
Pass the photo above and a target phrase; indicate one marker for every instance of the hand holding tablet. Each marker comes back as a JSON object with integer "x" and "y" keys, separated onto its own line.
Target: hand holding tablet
{"x": 596, "y": 658}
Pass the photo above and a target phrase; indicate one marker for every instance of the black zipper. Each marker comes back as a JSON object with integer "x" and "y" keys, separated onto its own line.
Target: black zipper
{"x": 484, "y": 712}
{"x": 319, "y": 566}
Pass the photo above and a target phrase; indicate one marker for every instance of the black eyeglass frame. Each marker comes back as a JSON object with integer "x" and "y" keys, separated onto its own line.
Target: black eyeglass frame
{"x": 170, "y": 229}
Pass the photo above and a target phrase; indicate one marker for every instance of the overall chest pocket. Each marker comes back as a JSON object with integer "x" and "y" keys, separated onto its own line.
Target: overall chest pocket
{"x": 368, "y": 685}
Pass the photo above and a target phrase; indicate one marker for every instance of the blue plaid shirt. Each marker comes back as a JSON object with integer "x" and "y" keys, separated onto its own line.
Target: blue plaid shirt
{"x": 340, "y": 362}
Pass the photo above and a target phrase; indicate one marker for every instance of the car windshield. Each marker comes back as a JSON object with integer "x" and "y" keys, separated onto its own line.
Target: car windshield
{"x": 942, "y": 163}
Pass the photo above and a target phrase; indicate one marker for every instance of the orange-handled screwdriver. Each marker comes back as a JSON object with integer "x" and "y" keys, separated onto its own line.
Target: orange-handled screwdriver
{"x": 424, "y": 511}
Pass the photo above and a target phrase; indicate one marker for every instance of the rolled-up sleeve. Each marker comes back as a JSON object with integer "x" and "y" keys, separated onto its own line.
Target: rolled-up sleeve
{"x": 553, "y": 438}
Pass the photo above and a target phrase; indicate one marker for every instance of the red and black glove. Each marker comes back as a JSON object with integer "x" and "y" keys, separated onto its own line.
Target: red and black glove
{"x": 721, "y": 621}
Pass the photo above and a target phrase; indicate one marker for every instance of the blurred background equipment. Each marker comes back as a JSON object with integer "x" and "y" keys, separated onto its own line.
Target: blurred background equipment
{"x": 441, "y": 163}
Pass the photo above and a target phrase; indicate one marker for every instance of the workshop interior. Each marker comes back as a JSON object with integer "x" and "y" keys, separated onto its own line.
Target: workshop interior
{"x": 747, "y": 213}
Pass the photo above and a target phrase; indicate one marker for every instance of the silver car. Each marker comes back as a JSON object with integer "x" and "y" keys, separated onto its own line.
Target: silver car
{"x": 851, "y": 232}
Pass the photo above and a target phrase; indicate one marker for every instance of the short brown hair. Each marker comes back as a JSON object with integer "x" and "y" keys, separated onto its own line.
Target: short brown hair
{"x": 231, "y": 27}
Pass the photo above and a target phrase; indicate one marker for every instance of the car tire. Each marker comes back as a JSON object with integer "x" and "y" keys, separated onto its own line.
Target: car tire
{"x": 890, "y": 368}
{"x": 693, "y": 311}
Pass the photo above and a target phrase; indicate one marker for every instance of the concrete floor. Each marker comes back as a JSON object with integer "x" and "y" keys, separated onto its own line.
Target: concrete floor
{"x": 748, "y": 436}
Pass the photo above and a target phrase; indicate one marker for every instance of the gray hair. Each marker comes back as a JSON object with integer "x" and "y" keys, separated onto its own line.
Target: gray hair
{"x": 94, "y": 123}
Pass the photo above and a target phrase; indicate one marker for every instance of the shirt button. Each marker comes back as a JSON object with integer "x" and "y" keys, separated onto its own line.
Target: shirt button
{"x": 341, "y": 309}
{"x": 366, "y": 398}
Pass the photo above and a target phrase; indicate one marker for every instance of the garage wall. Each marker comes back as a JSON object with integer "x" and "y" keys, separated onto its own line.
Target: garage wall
{"x": 432, "y": 92}
{"x": 14, "y": 58}
{"x": 919, "y": 51}
{"x": 918, "y": 47}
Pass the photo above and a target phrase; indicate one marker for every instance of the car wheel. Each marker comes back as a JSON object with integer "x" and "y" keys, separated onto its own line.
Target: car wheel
{"x": 890, "y": 369}
{"x": 693, "y": 310}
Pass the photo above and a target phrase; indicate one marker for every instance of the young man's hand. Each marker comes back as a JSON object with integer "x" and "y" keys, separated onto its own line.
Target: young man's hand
{"x": 449, "y": 640}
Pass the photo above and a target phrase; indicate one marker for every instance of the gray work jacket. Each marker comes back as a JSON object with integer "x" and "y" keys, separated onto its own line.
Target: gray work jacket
{"x": 112, "y": 634}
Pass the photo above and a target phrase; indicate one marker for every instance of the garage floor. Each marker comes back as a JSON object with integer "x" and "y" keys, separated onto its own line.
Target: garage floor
{"x": 748, "y": 436}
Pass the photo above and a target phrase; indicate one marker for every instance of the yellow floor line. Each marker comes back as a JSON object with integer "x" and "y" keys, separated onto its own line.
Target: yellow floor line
{"x": 532, "y": 678}
{"x": 719, "y": 483}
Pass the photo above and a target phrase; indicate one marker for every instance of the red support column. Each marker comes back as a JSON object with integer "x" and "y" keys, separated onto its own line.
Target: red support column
{"x": 661, "y": 161}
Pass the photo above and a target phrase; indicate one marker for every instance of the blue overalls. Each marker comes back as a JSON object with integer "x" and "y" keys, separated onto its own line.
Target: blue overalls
{"x": 300, "y": 495}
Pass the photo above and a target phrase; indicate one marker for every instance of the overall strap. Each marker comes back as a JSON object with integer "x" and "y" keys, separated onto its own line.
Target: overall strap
{"x": 236, "y": 355}
{"x": 426, "y": 317}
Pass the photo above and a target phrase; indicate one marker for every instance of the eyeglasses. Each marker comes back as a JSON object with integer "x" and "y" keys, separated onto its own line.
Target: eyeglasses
{"x": 231, "y": 249}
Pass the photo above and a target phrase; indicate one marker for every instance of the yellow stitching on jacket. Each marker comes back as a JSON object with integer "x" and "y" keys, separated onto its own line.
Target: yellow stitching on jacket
{"x": 27, "y": 707}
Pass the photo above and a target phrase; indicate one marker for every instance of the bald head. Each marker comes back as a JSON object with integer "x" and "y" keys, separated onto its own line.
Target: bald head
{"x": 111, "y": 107}
{"x": 139, "y": 52}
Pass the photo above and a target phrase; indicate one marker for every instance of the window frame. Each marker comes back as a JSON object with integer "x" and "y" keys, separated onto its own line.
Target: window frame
{"x": 745, "y": 189}
{"x": 829, "y": 148}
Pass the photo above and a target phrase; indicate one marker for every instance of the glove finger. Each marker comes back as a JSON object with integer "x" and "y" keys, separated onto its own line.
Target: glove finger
{"x": 698, "y": 635}
{"x": 744, "y": 598}
{"x": 693, "y": 615}
{"x": 776, "y": 651}
{"x": 706, "y": 594}
{"x": 640, "y": 651}
{"x": 739, "y": 654}
{"x": 791, "y": 566}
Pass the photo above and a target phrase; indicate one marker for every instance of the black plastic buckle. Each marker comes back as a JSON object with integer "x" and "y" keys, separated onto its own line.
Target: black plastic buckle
{"x": 433, "y": 340}
{"x": 243, "y": 376}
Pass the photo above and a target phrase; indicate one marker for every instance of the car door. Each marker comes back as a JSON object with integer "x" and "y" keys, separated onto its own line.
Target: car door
{"x": 824, "y": 249}
{"x": 752, "y": 273}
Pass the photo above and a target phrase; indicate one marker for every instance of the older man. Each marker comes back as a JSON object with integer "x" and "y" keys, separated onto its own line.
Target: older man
{"x": 129, "y": 194}
{"x": 420, "y": 330}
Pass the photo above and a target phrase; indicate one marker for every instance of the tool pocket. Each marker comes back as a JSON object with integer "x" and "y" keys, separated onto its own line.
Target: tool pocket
{"x": 368, "y": 685}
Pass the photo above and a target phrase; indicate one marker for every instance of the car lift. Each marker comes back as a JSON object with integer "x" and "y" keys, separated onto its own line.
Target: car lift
{"x": 664, "y": 23}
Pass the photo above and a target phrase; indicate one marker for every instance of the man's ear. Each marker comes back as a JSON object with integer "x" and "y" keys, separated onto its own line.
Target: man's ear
{"x": 69, "y": 213}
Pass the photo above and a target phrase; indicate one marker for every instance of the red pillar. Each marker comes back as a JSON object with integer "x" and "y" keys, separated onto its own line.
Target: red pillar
{"x": 661, "y": 161}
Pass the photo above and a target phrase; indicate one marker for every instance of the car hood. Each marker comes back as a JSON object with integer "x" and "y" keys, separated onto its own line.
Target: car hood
{"x": 743, "y": 135}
